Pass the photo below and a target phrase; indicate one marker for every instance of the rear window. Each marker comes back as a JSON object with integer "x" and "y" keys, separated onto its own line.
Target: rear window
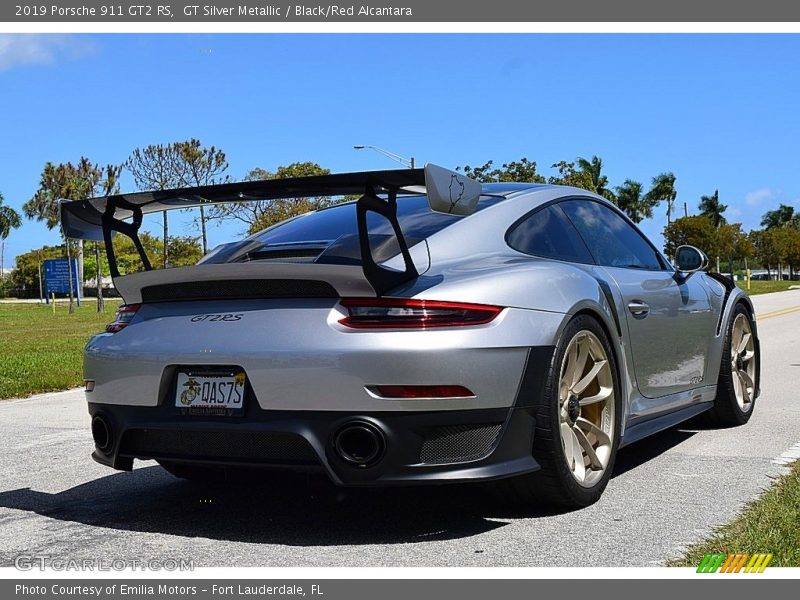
{"x": 417, "y": 222}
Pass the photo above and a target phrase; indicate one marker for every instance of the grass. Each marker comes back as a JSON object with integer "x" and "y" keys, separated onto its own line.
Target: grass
{"x": 769, "y": 524}
{"x": 41, "y": 351}
{"x": 765, "y": 287}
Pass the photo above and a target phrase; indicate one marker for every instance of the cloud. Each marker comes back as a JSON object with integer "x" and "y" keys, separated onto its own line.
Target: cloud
{"x": 22, "y": 49}
{"x": 759, "y": 196}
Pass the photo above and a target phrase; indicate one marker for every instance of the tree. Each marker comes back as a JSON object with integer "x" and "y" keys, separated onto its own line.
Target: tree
{"x": 110, "y": 185}
{"x": 56, "y": 182}
{"x": 199, "y": 166}
{"x": 184, "y": 251}
{"x": 765, "y": 250}
{"x": 261, "y": 214}
{"x": 594, "y": 170}
{"x": 730, "y": 242}
{"x": 158, "y": 167}
{"x": 522, "y": 170}
{"x": 663, "y": 190}
{"x": 695, "y": 231}
{"x": 9, "y": 219}
{"x": 711, "y": 208}
{"x": 569, "y": 175}
{"x": 633, "y": 203}
{"x": 27, "y": 266}
{"x": 783, "y": 216}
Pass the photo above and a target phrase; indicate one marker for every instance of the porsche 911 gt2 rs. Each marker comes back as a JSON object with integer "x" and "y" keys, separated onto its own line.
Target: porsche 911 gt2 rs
{"x": 435, "y": 330}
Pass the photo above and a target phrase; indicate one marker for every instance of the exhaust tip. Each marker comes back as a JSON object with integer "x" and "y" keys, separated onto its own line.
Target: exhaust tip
{"x": 101, "y": 432}
{"x": 360, "y": 444}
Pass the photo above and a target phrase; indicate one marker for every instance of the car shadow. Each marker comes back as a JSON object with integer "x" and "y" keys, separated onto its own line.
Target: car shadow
{"x": 638, "y": 453}
{"x": 295, "y": 509}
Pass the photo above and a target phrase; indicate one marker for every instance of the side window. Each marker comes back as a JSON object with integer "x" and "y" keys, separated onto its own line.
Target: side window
{"x": 548, "y": 233}
{"x": 611, "y": 239}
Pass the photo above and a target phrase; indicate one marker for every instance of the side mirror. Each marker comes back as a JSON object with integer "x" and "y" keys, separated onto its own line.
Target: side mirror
{"x": 689, "y": 259}
{"x": 451, "y": 192}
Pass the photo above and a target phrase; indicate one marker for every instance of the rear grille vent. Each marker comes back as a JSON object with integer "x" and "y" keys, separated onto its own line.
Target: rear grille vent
{"x": 459, "y": 443}
{"x": 256, "y": 446}
{"x": 238, "y": 289}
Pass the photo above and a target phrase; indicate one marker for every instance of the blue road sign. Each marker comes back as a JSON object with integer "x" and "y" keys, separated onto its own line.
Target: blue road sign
{"x": 56, "y": 277}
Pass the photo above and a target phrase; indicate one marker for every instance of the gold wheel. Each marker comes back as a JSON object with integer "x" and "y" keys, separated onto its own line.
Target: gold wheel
{"x": 743, "y": 365}
{"x": 586, "y": 398}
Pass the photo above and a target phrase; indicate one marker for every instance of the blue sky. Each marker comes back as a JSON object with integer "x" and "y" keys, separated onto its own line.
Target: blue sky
{"x": 720, "y": 111}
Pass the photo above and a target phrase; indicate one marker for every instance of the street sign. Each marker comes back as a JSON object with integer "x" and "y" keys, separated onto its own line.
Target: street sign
{"x": 56, "y": 277}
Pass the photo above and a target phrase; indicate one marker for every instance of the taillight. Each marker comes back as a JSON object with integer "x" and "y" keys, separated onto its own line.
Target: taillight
{"x": 399, "y": 313}
{"x": 125, "y": 314}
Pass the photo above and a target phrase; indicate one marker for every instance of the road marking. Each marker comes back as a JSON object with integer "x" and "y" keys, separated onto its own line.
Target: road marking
{"x": 788, "y": 457}
{"x": 777, "y": 313}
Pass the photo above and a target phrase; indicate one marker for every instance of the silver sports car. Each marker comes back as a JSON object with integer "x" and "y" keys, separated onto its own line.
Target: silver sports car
{"x": 434, "y": 330}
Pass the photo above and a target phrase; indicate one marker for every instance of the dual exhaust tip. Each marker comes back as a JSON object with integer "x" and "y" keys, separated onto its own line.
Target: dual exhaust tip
{"x": 101, "y": 433}
{"x": 360, "y": 444}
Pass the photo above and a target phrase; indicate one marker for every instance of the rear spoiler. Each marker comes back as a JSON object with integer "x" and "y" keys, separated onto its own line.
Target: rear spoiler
{"x": 447, "y": 191}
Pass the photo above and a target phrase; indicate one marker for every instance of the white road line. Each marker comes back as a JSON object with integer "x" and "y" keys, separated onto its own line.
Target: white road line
{"x": 788, "y": 457}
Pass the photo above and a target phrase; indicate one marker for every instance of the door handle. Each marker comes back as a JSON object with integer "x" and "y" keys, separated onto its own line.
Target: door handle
{"x": 638, "y": 308}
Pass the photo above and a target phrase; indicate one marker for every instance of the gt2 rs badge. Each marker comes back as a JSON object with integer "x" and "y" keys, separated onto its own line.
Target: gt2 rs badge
{"x": 212, "y": 318}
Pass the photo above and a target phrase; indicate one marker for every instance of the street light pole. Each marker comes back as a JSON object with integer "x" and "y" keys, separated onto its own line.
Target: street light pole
{"x": 408, "y": 162}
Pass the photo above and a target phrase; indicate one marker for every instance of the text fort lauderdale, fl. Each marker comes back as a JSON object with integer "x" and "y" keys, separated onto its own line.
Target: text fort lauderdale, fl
{"x": 299, "y": 10}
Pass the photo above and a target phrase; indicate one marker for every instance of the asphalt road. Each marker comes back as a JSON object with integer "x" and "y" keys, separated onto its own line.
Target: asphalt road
{"x": 667, "y": 491}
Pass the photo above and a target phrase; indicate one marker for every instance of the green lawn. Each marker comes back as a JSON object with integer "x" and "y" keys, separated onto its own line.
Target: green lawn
{"x": 765, "y": 287}
{"x": 768, "y": 525}
{"x": 41, "y": 351}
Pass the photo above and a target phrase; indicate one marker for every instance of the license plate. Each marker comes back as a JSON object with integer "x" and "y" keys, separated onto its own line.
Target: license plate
{"x": 210, "y": 394}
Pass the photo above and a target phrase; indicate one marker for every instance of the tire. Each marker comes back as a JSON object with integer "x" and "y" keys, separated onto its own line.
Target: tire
{"x": 193, "y": 472}
{"x": 735, "y": 398}
{"x": 557, "y": 483}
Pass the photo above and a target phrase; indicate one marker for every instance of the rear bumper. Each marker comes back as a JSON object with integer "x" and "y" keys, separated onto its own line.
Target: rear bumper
{"x": 419, "y": 447}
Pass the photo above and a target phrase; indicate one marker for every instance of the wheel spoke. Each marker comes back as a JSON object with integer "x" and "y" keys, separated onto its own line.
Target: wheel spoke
{"x": 746, "y": 379}
{"x": 737, "y": 385}
{"x": 743, "y": 386}
{"x": 566, "y": 442}
{"x": 743, "y": 343}
{"x": 589, "y": 427}
{"x": 580, "y": 362}
{"x": 603, "y": 394}
{"x": 747, "y": 356}
{"x": 586, "y": 445}
{"x": 578, "y": 466}
{"x": 581, "y": 385}
{"x": 736, "y": 334}
{"x": 570, "y": 365}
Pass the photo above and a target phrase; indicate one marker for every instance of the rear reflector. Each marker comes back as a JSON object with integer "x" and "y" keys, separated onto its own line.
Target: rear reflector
{"x": 424, "y": 391}
{"x": 401, "y": 313}
{"x": 124, "y": 316}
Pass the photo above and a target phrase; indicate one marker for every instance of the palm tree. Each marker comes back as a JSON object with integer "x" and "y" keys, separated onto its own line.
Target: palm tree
{"x": 632, "y": 202}
{"x": 711, "y": 207}
{"x": 783, "y": 216}
{"x": 594, "y": 169}
{"x": 9, "y": 219}
{"x": 663, "y": 190}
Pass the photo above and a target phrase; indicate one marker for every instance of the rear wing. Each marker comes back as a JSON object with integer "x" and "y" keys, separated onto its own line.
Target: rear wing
{"x": 447, "y": 191}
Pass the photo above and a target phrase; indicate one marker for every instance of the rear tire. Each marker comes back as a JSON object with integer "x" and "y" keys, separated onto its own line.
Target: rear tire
{"x": 577, "y": 423}
{"x": 738, "y": 376}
